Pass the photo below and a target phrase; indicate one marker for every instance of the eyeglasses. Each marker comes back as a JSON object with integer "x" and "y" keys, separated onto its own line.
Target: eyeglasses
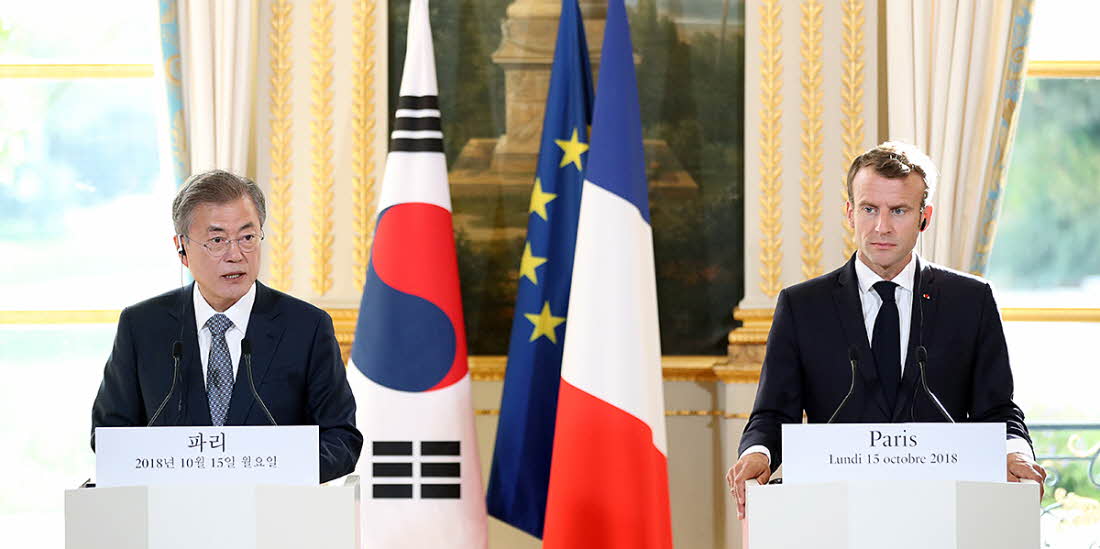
{"x": 219, "y": 245}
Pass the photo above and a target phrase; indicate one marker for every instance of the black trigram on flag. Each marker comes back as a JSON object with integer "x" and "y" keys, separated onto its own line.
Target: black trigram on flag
{"x": 396, "y": 470}
{"x": 416, "y": 125}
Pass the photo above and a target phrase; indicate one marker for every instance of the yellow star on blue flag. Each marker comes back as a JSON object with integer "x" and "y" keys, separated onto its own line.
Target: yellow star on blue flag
{"x": 520, "y": 475}
{"x": 571, "y": 149}
{"x": 544, "y": 323}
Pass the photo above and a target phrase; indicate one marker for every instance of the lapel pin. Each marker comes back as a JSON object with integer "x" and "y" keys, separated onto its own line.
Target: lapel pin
{"x": 927, "y": 297}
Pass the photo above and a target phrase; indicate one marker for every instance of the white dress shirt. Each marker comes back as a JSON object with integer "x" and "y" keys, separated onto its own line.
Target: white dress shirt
{"x": 870, "y": 302}
{"x": 238, "y": 314}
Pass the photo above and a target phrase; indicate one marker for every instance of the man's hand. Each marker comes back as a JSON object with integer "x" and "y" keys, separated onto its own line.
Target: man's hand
{"x": 752, "y": 465}
{"x": 1021, "y": 466}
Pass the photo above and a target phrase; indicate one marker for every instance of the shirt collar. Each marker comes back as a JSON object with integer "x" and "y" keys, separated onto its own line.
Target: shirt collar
{"x": 238, "y": 313}
{"x": 867, "y": 278}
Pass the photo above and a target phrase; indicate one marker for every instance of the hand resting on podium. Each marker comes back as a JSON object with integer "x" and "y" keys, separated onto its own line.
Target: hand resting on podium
{"x": 1021, "y": 467}
{"x": 753, "y": 466}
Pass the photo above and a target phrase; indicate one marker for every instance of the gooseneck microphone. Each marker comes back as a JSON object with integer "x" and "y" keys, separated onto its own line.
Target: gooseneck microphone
{"x": 922, "y": 357}
{"x": 246, "y": 355}
{"x": 853, "y": 360}
{"x": 177, "y": 352}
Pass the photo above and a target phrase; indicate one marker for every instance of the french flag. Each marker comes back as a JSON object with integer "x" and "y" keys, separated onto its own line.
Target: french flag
{"x": 420, "y": 468}
{"x": 609, "y": 473}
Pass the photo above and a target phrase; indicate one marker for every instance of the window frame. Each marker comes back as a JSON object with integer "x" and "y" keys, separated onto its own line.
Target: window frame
{"x": 1056, "y": 68}
{"x": 69, "y": 71}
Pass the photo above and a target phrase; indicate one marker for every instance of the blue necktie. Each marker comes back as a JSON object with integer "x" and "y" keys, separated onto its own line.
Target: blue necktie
{"x": 219, "y": 369}
{"x": 886, "y": 342}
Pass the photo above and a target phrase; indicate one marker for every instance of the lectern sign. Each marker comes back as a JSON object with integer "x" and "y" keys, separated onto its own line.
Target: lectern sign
{"x": 894, "y": 451}
{"x": 148, "y": 456}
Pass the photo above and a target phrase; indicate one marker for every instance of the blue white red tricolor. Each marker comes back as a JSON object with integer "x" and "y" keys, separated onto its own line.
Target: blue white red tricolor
{"x": 420, "y": 470}
{"x": 609, "y": 475}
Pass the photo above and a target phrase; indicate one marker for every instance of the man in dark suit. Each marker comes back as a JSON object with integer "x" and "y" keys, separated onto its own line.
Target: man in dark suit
{"x": 296, "y": 362}
{"x": 882, "y": 296}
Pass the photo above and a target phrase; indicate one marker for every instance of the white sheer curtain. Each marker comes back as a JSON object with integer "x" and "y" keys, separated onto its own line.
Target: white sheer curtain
{"x": 954, "y": 79}
{"x": 218, "y": 57}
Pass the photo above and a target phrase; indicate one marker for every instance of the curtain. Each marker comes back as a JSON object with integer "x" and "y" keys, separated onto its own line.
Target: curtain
{"x": 954, "y": 80}
{"x": 173, "y": 78}
{"x": 210, "y": 58}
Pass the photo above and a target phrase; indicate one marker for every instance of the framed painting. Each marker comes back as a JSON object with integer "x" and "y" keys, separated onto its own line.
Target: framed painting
{"x": 493, "y": 61}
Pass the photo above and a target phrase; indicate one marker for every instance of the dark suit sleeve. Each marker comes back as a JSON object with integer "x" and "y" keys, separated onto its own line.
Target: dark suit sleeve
{"x": 779, "y": 394}
{"x": 992, "y": 387}
{"x": 332, "y": 405}
{"x": 119, "y": 402}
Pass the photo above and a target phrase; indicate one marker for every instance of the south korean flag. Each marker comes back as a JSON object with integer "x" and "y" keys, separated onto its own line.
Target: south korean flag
{"x": 421, "y": 474}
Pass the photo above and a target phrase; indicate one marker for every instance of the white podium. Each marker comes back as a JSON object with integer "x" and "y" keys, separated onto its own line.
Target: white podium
{"x": 213, "y": 516}
{"x": 899, "y": 514}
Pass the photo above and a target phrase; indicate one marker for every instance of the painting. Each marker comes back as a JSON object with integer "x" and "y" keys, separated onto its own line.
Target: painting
{"x": 493, "y": 61}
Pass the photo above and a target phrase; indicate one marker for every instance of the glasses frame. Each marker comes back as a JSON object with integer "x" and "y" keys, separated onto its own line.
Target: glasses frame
{"x": 228, "y": 244}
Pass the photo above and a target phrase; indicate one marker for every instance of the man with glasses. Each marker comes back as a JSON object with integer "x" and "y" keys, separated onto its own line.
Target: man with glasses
{"x": 296, "y": 363}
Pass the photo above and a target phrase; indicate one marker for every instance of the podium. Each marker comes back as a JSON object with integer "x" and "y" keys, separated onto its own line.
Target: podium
{"x": 213, "y": 516}
{"x": 239, "y": 487}
{"x": 900, "y": 514}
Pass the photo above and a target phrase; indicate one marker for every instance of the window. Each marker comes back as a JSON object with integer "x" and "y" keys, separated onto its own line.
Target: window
{"x": 84, "y": 199}
{"x": 1046, "y": 262}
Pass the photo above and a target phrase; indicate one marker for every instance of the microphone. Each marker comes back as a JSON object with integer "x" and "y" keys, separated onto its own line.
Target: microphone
{"x": 853, "y": 360}
{"x": 246, "y": 355}
{"x": 922, "y": 357}
{"x": 177, "y": 352}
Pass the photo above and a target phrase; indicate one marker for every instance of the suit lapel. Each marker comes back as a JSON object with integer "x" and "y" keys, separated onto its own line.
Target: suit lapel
{"x": 198, "y": 407}
{"x": 924, "y": 285}
{"x": 264, "y": 332}
{"x": 850, "y": 312}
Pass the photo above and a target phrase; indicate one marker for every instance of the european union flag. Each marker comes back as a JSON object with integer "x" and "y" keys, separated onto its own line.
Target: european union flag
{"x": 528, "y": 408}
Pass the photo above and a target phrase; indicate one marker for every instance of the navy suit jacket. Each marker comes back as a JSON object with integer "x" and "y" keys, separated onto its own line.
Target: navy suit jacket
{"x": 296, "y": 366}
{"x": 806, "y": 367}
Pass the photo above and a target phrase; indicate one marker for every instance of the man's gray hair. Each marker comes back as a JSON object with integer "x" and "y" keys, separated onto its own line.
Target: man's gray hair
{"x": 213, "y": 187}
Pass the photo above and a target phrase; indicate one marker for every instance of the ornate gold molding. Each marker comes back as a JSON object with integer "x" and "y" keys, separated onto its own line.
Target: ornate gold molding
{"x": 59, "y": 317}
{"x": 343, "y": 321}
{"x": 739, "y": 373}
{"x": 487, "y": 367}
{"x": 280, "y": 150}
{"x": 691, "y": 368}
{"x": 754, "y": 329}
{"x": 851, "y": 102}
{"x": 673, "y": 368}
{"x": 1063, "y": 69}
{"x": 668, "y": 413}
{"x": 811, "y": 95}
{"x": 321, "y": 144}
{"x": 771, "y": 99}
{"x": 745, "y": 362}
{"x": 747, "y": 345}
{"x": 180, "y": 154}
{"x": 755, "y": 325}
{"x": 362, "y": 127}
{"x": 72, "y": 70}
{"x": 706, "y": 413}
{"x": 1014, "y": 314}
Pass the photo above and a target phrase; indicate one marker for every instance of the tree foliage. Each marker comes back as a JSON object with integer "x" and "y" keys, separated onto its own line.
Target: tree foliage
{"x": 1047, "y": 232}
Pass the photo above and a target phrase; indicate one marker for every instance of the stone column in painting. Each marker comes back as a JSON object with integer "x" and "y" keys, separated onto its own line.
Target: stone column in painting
{"x": 526, "y": 52}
